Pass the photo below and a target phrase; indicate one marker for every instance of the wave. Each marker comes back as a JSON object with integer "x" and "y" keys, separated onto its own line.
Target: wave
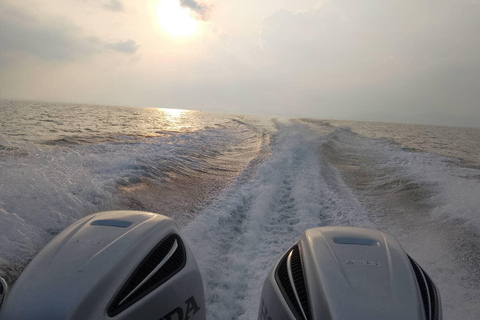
{"x": 44, "y": 191}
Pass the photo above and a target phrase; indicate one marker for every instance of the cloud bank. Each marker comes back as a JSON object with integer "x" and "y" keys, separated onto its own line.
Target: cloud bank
{"x": 51, "y": 38}
{"x": 369, "y": 59}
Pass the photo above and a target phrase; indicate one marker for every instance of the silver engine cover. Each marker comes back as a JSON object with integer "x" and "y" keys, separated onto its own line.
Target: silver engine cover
{"x": 348, "y": 273}
{"x": 111, "y": 265}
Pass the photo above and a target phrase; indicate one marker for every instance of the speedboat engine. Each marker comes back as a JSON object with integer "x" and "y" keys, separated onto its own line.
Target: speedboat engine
{"x": 111, "y": 265}
{"x": 348, "y": 273}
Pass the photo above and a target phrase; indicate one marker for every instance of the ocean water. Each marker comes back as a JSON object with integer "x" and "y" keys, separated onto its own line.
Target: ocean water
{"x": 243, "y": 188}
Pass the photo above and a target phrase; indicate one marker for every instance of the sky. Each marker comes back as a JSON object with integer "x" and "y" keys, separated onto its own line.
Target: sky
{"x": 398, "y": 60}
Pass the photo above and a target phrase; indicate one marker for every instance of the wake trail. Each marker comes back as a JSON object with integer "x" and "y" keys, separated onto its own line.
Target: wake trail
{"x": 237, "y": 239}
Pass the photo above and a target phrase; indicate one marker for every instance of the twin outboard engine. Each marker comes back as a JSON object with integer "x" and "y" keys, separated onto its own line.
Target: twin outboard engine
{"x": 348, "y": 273}
{"x": 134, "y": 265}
{"x": 112, "y": 265}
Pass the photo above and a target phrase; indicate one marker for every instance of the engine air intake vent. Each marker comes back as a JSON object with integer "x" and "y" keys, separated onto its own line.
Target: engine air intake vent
{"x": 427, "y": 290}
{"x": 291, "y": 281}
{"x": 162, "y": 263}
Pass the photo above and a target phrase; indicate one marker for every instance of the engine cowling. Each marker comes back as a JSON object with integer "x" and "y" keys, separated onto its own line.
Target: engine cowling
{"x": 348, "y": 273}
{"x": 111, "y": 265}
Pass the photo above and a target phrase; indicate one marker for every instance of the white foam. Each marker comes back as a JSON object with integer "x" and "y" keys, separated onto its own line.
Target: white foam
{"x": 238, "y": 239}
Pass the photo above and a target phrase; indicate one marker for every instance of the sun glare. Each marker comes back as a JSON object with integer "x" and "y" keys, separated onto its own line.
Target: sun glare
{"x": 173, "y": 113}
{"x": 175, "y": 19}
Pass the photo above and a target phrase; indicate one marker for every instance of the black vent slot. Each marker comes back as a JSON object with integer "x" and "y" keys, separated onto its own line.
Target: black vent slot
{"x": 427, "y": 290}
{"x": 3, "y": 291}
{"x": 283, "y": 281}
{"x": 133, "y": 290}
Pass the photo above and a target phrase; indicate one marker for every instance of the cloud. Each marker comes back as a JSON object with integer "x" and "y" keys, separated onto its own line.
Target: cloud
{"x": 114, "y": 5}
{"x": 202, "y": 10}
{"x": 129, "y": 46}
{"x": 51, "y": 38}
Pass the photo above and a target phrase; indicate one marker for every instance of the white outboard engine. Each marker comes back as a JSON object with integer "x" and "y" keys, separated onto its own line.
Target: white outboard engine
{"x": 110, "y": 265}
{"x": 348, "y": 273}
{"x": 125, "y": 265}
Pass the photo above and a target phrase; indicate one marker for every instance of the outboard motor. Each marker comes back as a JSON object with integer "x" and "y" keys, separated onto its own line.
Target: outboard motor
{"x": 348, "y": 273}
{"x": 111, "y": 265}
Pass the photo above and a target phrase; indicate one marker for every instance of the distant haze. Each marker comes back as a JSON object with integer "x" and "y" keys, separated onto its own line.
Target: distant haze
{"x": 401, "y": 60}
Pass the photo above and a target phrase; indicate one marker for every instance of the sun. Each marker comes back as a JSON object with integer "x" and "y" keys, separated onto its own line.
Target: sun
{"x": 175, "y": 19}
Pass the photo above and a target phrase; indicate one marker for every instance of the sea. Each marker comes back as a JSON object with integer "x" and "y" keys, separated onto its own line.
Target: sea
{"x": 243, "y": 188}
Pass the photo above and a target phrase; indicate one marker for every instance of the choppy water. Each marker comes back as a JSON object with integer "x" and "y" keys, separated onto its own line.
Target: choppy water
{"x": 243, "y": 188}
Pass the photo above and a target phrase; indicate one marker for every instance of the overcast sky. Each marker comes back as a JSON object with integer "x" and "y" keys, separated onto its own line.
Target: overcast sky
{"x": 382, "y": 60}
